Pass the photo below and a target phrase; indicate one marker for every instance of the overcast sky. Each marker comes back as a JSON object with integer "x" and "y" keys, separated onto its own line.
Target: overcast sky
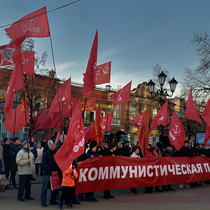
{"x": 134, "y": 34}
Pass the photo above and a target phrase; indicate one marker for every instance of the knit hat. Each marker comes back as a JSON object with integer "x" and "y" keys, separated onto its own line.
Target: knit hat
{"x": 50, "y": 142}
{"x": 24, "y": 142}
{"x": 5, "y": 139}
{"x": 93, "y": 144}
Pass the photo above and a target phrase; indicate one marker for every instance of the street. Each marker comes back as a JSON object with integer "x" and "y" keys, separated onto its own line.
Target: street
{"x": 192, "y": 198}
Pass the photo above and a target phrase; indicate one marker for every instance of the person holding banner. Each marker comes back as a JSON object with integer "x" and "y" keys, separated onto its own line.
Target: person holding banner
{"x": 50, "y": 168}
{"x": 68, "y": 185}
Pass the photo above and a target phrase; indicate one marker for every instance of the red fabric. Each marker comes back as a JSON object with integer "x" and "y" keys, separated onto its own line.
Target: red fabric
{"x": 43, "y": 121}
{"x": 64, "y": 98}
{"x": 28, "y": 62}
{"x": 90, "y": 104}
{"x": 58, "y": 137}
{"x": 107, "y": 122}
{"x": 191, "y": 110}
{"x": 102, "y": 73}
{"x": 122, "y": 96}
{"x": 161, "y": 117}
{"x": 137, "y": 119}
{"x": 73, "y": 145}
{"x": 10, "y": 52}
{"x": 34, "y": 24}
{"x": 143, "y": 132}
{"x": 89, "y": 76}
{"x": 17, "y": 118}
{"x": 54, "y": 182}
{"x": 114, "y": 172}
{"x": 176, "y": 133}
{"x": 16, "y": 83}
{"x": 87, "y": 132}
{"x": 207, "y": 136}
{"x": 97, "y": 132}
{"x": 206, "y": 113}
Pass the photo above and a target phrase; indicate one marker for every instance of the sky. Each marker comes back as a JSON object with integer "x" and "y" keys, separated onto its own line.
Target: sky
{"x": 134, "y": 34}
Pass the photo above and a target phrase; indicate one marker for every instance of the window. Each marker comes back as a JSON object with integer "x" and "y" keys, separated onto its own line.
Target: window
{"x": 92, "y": 116}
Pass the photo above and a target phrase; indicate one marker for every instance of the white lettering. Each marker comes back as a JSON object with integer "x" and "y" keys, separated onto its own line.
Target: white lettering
{"x": 148, "y": 170}
{"x": 133, "y": 171}
{"x": 156, "y": 169}
{"x": 103, "y": 173}
{"x": 125, "y": 171}
{"x": 142, "y": 171}
{"x": 200, "y": 170}
{"x": 178, "y": 170}
{"x": 163, "y": 169}
{"x": 95, "y": 172}
{"x": 82, "y": 173}
{"x": 171, "y": 169}
{"x": 114, "y": 173}
{"x": 183, "y": 166}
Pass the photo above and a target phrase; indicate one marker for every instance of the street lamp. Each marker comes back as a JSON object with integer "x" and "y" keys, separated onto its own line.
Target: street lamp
{"x": 162, "y": 93}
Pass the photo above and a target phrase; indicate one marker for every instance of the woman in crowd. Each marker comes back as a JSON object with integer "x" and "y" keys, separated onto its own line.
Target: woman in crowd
{"x": 38, "y": 161}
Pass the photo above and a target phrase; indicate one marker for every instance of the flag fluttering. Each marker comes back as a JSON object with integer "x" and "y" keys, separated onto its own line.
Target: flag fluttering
{"x": 34, "y": 24}
{"x": 161, "y": 117}
{"x": 90, "y": 104}
{"x": 102, "y": 73}
{"x": 17, "y": 118}
{"x": 191, "y": 110}
{"x": 143, "y": 131}
{"x": 107, "y": 122}
{"x": 206, "y": 113}
{"x": 176, "y": 132}
{"x": 73, "y": 145}
{"x": 89, "y": 75}
{"x": 28, "y": 62}
{"x": 122, "y": 96}
{"x": 97, "y": 132}
{"x": 64, "y": 98}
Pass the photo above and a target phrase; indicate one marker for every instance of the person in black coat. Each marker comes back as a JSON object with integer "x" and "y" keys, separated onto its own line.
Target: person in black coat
{"x": 15, "y": 148}
{"x": 50, "y": 168}
{"x": 126, "y": 149}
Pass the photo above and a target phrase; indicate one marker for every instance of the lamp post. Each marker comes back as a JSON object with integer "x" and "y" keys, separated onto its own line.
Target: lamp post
{"x": 162, "y": 93}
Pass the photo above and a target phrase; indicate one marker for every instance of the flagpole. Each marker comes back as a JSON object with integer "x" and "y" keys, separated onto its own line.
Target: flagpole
{"x": 128, "y": 119}
{"x": 57, "y": 92}
{"x": 15, "y": 116}
{"x": 84, "y": 119}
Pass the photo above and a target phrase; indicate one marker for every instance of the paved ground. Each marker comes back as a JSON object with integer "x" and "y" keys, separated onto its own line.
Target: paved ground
{"x": 192, "y": 198}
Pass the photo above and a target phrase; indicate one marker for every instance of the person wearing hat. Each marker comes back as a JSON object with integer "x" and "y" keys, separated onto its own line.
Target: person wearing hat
{"x": 91, "y": 153}
{"x": 50, "y": 168}
{"x": 15, "y": 148}
{"x": 26, "y": 167}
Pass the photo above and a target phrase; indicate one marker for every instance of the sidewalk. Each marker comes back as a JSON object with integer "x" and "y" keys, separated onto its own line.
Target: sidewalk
{"x": 192, "y": 198}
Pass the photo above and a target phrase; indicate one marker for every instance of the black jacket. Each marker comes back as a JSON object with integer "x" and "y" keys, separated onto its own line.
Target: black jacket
{"x": 48, "y": 162}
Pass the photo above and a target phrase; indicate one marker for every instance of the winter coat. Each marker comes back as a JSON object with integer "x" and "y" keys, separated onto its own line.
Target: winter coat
{"x": 135, "y": 155}
{"x": 67, "y": 180}
{"x": 25, "y": 168}
{"x": 48, "y": 162}
{"x": 39, "y": 155}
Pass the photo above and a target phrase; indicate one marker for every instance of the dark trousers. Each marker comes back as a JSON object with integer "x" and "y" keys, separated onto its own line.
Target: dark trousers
{"x": 37, "y": 167}
{"x": 46, "y": 181}
{"x": 24, "y": 185}
{"x": 13, "y": 175}
{"x": 67, "y": 193}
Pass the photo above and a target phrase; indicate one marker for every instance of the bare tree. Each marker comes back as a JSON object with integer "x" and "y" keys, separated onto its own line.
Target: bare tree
{"x": 199, "y": 78}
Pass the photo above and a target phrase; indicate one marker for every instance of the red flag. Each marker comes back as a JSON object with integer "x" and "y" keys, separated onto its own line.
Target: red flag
{"x": 28, "y": 62}
{"x": 87, "y": 133}
{"x": 161, "y": 117}
{"x": 191, "y": 110}
{"x": 10, "y": 52}
{"x": 16, "y": 83}
{"x": 176, "y": 132}
{"x": 122, "y": 96}
{"x": 34, "y": 24}
{"x": 143, "y": 132}
{"x": 90, "y": 104}
{"x": 97, "y": 132}
{"x": 17, "y": 118}
{"x": 43, "y": 121}
{"x": 58, "y": 136}
{"x": 73, "y": 145}
{"x": 207, "y": 136}
{"x": 102, "y": 73}
{"x": 64, "y": 98}
{"x": 89, "y": 76}
{"x": 107, "y": 122}
{"x": 206, "y": 113}
{"x": 138, "y": 119}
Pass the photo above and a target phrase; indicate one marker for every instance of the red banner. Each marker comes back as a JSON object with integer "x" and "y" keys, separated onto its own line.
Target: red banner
{"x": 113, "y": 172}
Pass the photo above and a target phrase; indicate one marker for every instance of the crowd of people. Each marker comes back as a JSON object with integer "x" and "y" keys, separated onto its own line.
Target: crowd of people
{"x": 28, "y": 158}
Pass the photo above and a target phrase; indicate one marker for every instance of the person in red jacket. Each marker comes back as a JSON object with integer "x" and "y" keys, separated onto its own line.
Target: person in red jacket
{"x": 68, "y": 184}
